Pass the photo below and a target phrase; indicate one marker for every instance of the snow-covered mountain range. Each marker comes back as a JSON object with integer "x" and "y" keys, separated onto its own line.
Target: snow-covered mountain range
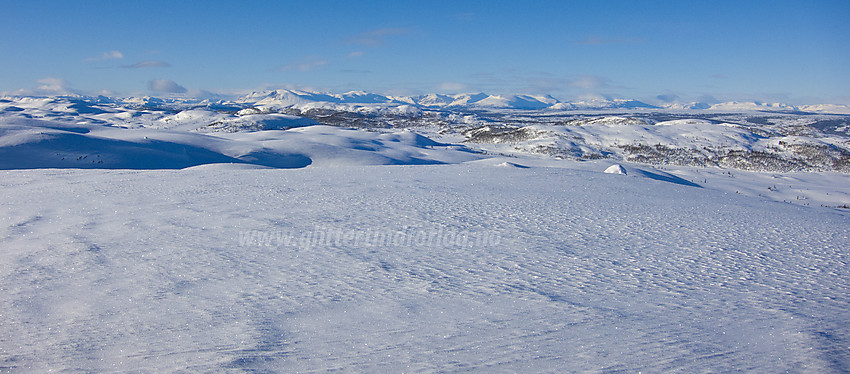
{"x": 296, "y": 98}
{"x": 290, "y": 98}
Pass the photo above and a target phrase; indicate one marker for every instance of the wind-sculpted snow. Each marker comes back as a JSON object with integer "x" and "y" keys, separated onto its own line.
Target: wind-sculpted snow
{"x": 466, "y": 267}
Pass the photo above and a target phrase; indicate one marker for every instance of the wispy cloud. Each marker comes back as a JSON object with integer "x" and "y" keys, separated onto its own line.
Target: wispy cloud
{"x": 719, "y": 76}
{"x": 667, "y": 98}
{"x": 708, "y": 99}
{"x": 599, "y": 40}
{"x": 148, "y": 64}
{"x": 53, "y": 84}
{"x": 48, "y": 86}
{"x": 287, "y": 86}
{"x": 111, "y": 55}
{"x": 590, "y": 82}
{"x": 377, "y": 37}
{"x": 452, "y": 86}
{"x": 307, "y": 64}
{"x": 356, "y": 71}
{"x": 166, "y": 86}
{"x": 545, "y": 83}
{"x": 356, "y": 54}
{"x": 512, "y": 81}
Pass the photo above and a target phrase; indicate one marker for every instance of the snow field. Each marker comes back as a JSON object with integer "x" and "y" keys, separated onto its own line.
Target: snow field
{"x": 117, "y": 270}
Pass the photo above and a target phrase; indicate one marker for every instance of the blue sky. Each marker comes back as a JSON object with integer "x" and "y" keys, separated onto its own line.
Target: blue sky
{"x": 795, "y": 52}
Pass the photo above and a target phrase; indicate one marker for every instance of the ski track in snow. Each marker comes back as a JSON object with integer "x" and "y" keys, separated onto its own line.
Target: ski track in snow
{"x": 117, "y": 270}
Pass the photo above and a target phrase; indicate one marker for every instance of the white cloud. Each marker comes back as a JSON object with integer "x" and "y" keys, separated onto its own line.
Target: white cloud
{"x": 111, "y": 55}
{"x": 356, "y": 54}
{"x": 452, "y": 86}
{"x": 148, "y": 64}
{"x": 52, "y": 84}
{"x": 590, "y": 82}
{"x": 165, "y": 85}
{"x": 48, "y": 86}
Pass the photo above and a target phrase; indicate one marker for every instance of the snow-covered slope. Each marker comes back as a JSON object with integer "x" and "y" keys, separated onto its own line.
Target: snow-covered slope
{"x": 735, "y": 106}
{"x": 756, "y": 106}
{"x": 38, "y": 145}
{"x": 689, "y": 141}
{"x": 413, "y": 268}
{"x": 826, "y": 108}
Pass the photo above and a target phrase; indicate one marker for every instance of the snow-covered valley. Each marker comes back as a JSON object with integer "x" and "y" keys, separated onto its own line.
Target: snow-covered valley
{"x": 319, "y": 235}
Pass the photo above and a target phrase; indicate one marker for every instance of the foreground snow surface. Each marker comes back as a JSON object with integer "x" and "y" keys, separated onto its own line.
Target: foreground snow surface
{"x": 460, "y": 267}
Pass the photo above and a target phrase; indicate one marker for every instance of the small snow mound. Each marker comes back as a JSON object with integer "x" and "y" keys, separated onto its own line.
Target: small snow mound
{"x": 511, "y": 165}
{"x": 616, "y": 169}
{"x": 228, "y": 166}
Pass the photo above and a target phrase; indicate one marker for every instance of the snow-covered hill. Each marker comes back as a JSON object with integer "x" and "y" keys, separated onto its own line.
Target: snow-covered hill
{"x": 63, "y": 131}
